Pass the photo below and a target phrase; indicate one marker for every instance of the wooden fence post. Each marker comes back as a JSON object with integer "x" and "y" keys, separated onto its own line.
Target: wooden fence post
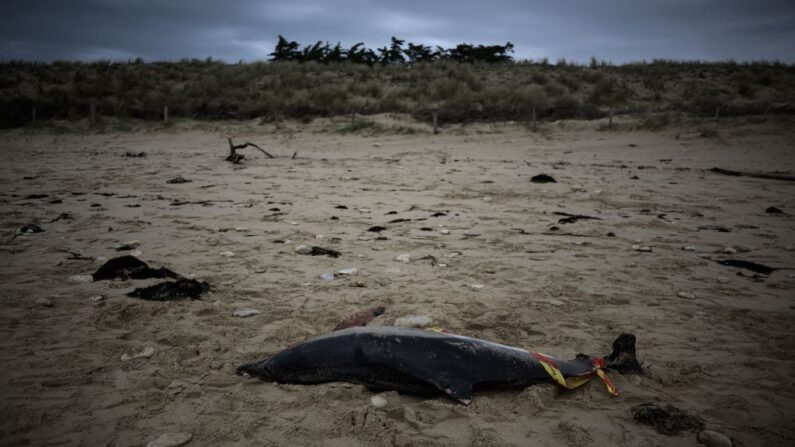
{"x": 435, "y": 122}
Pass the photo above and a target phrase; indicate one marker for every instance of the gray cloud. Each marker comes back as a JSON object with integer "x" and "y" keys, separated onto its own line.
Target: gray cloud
{"x": 616, "y": 30}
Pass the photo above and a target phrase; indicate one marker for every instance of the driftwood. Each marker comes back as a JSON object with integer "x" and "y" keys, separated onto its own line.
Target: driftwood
{"x": 234, "y": 157}
{"x": 765, "y": 175}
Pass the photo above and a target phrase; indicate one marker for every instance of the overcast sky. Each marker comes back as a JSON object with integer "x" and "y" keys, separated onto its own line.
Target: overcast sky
{"x": 616, "y": 30}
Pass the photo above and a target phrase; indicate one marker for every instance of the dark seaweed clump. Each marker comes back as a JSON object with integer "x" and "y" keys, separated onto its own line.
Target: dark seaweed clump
{"x": 667, "y": 420}
{"x": 180, "y": 289}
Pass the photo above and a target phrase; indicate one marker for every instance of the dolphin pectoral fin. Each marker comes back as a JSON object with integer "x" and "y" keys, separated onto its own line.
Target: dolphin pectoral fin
{"x": 461, "y": 392}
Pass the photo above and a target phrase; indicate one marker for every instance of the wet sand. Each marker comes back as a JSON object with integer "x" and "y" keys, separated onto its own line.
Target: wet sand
{"x": 713, "y": 343}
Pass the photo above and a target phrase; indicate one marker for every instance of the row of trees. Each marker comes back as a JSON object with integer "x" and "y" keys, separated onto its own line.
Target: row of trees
{"x": 397, "y": 52}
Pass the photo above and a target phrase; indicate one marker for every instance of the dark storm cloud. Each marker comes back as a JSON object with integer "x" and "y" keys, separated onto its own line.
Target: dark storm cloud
{"x": 617, "y": 30}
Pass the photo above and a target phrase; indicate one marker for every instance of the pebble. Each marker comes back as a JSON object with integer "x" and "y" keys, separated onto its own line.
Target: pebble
{"x": 44, "y": 302}
{"x": 217, "y": 364}
{"x": 471, "y": 233}
{"x": 136, "y": 253}
{"x": 406, "y": 258}
{"x": 243, "y": 313}
{"x": 378, "y": 401}
{"x": 790, "y": 248}
{"x": 348, "y": 271}
{"x": 556, "y": 302}
{"x": 722, "y": 279}
{"x": 454, "y": 254}
{"x": 303, "y": 249}
{"x": 475, "y": 286}
{"x": 687, "y": 295}
{"x": 364, "y": 210}
{"x": 441, "y": 265}
{"x": 445, "y": 231}
{"x": 227, "y": 254}
{"x": 689, "y": 248}
{"x": 641, "y": 248}
{"x": 328, "y": 276}
{"x": 729, "y": 251}
{"x": 96, "y": 298}
{"x": 145, "y": 353}
{"x": 714, "y": 439}
{"x": 170, "y": 440}
{"x": 293, "y": 223}
{"x": 418, "y": 321}
{"x": 81, "y": 278}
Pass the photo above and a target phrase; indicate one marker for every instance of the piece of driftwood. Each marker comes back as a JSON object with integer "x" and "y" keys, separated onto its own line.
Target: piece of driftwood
{"x": 765, "y": 175}
{"x": 234, "y": 157}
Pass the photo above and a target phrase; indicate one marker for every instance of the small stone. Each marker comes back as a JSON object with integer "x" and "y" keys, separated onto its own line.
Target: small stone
{"x": 418, "y": 321}
{"x": 171, "y": 440}
{"x": 348, "y": 271}
{"x": 217, "y": 364}
{"x": 556, "y": 302}
{"x": 475, "y": 286}
{"x": 487, "y": 199}
{"x": 454, "y": 254}
{"x": 641, "y": 248}
{"x": 96, "y": 298}
{"x": 328, "y": 276}
{"x": 471, "y": 233}
{"x": 689, "y": 248}
{"x": 81, "y": 278}
{"x": 303, "y": 249}
{"x": 441, "y": 265}
{"x": 405, "y": 258}
{"x": 320, "y": 236}
{"x": 722, "y": 279}
{"x": 227, "y": 254}
{"x": 243, "y": 313}
{"x": 714, "y": 439}
{"x": 364, "y": 210}
{"x": 729, "y": 251}
{"x": 687, "y": 295}
{"x": 136, "y": 253}
{"x": 44, "y": 302}
{"x": 293, "y": 223}
{"x": 445, "y": 231}
{"x": 378, "y": 401}
{"x": 790, "y": 248}
{"x": 145, "y": 353}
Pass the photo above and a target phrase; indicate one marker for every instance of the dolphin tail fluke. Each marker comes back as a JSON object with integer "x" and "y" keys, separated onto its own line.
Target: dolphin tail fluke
{"x": 623, "y": 359}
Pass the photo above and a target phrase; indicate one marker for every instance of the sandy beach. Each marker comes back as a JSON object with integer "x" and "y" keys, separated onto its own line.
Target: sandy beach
{"x": 489, "y": 258}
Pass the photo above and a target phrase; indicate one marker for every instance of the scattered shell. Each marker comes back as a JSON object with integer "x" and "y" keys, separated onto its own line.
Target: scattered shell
{"x": 378, "y": 401}
{"x": 145, "y": 353}
{"x": 364, "y": 210}
{"x": 243, "y": 313}
{"x": 722, "y": 279}
{"x": 328, "y": 276}
{"x": 217, "y": 364}
{"x": 441, "y": 265}
{"x": 348, "y": 271}
{"x": 454, "y": 254}
{"x": 419, "y": 321}
{"x": 171, "y": 440}
{"x": 96, "y": 298}
{"x": 471, "y": 233}
{"x": 729, "y": 251}
{"x": 556, "y": 302}
{"x": 293, "y": 223}
{"x": 475, "y": 286}
{"x": 303, "y": 249}
{"x": 641, "y": 248}
{"x": 403, "y": 258}
{"x": 687, "y": 295}
{"x": 714, "y": 439}
{"x": 44, "y": 302}
{"x": 81, "y": 278}
{"x": 689, "y": 248}
{"x": 445, "y": 231}
{"x": 227, "y": 254}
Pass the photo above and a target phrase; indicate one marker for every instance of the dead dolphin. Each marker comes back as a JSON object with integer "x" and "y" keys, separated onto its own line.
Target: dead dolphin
{"x": 422, "y": 362}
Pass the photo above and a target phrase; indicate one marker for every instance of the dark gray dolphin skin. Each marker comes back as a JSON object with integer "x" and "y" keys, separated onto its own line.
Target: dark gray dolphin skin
{"x": 421, "y": 362}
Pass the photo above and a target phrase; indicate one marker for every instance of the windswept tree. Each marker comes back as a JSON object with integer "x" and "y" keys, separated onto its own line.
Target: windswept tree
{"x": 285, "y": 50}
{"x": 418, "y": 53}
